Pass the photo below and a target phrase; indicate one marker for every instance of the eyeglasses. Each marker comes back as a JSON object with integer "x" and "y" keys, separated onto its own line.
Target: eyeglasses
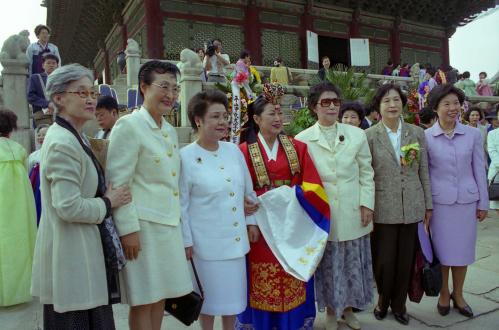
{"x": 327, "y": 102}
{"x": 224, "y": 117}
{"x": 85, "y": 94}
{"x": 168, "y": 88}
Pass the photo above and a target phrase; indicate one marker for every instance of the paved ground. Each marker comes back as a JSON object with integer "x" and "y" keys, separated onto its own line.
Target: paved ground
{"x": 481, "y": 292}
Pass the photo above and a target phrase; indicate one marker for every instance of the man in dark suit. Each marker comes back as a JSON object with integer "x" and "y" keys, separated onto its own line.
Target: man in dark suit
{"x": 326, "y": 64}
{"x": 42, "y": 108}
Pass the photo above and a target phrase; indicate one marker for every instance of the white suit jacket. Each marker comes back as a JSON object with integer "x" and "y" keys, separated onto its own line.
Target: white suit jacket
{"x": 68, "y": 267}
{"x": 212, "y": 190}
{"x": 347, "y": 175}
{"x": 493, "y": 150}
{"x": 146, "y": 158}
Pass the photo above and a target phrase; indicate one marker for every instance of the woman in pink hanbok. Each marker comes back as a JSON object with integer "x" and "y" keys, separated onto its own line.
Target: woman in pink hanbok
{"x": 482, "y": 87}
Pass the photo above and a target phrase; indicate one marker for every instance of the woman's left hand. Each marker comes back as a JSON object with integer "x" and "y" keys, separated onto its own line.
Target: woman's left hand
{"x": 250, "y": 207}
{"x": 253, "y": 233}
{"x": 366, "y": 215}
{"x": 481, "y": 215}
{"x": 426, "y": 221}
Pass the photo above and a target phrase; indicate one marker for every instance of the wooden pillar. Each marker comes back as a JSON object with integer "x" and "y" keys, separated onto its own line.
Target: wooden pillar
{"x": 307, "y": 24}
{"x": 354, "y": 31}
{"x": 154, "y": 28}
{"x": 395, "y": 42}
{"x": 124, "y": 35}
{"x": 253, "y": 33}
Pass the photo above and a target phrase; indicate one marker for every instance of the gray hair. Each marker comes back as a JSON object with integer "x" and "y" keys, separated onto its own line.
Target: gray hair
{"x": 58, "y": 81}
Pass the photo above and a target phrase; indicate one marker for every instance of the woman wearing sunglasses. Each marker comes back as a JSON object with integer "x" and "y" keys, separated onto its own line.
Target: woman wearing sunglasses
{"x": 341, "y": 154}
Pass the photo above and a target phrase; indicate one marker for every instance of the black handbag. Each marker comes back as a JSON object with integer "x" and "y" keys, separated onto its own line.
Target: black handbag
{"x": 187, "y": 308}
{"x": 432, "y": 276}
{"x": 494, "y": 189}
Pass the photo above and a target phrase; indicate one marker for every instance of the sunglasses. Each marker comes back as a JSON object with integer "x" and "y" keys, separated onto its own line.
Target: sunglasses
{"x": 327, "y": 102}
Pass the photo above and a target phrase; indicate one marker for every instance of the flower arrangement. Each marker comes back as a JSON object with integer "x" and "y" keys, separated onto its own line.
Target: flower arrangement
{"x": 241, "y": 77}
{"x": 410, "y": 153}
{"x": 238, "y": 104}
{"x": 413, "y": 103}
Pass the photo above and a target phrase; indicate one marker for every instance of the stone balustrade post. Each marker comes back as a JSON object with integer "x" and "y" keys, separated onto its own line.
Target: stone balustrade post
{"x": 191, "y": 69}
{"x": 132, "y": 52}
{"x": 14, "y": 75}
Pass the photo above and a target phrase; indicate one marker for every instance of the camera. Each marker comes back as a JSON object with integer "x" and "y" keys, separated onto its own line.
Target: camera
{"x": 210, "y": 48}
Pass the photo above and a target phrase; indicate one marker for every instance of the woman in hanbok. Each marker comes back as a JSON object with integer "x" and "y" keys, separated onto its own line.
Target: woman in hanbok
{"x": 482, "y": 87}
{"x": 36, "y": 50}
{"x": 467, "y": 85}
{"x": 17, "y": 217}
{"x": 213, "y": 185}
{"x": 277, "y": 300}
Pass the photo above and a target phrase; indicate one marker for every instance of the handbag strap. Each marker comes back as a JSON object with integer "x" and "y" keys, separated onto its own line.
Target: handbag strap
{"x": 197, "y": 279}
{"x": 493, "y": 179}
{"x": 435, "y": 258}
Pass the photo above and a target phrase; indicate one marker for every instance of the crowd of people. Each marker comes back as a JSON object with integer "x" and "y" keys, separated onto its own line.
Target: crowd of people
{"x": 127, "y": 232}
{"x": 428, "y": 75}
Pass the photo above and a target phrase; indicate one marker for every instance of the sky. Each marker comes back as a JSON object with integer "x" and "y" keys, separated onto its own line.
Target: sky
{"x": 474, "y": 47}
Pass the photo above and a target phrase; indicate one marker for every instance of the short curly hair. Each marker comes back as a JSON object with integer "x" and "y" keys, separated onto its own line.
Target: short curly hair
{"x": 8, "y": 121}
{"x": 439, "y": 92}
{"x": 382, "y": 91}
{"x": 353, "y": 106}
{"x": 147, "y": 69}
{"x": 315, "y": 94}
{"x": 199, "y": 103}
{"x": 476, "y": 109}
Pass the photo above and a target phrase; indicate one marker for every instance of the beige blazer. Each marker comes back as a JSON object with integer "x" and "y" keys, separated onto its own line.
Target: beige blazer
{"x": 146, "y": 158}
{"x": 68, "y": 267}
{"x": 403, "y": 193}
{"x": 347, "y": 176}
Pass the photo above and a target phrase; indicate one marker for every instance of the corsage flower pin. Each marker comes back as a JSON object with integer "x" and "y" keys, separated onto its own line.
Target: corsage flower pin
{"x": 409, "y": 154}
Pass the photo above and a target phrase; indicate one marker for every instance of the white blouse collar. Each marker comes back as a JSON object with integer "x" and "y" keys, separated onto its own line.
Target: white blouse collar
{"x": 271, "y": 154}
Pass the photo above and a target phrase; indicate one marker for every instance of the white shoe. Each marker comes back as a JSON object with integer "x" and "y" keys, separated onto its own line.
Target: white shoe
{"x": 331, "y": 322}
{"x": 351, "y": 320}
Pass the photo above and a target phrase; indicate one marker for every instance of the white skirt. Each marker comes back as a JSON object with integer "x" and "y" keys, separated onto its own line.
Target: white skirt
{"x": 224, "y": 285}
{"x": 161, "y": 270}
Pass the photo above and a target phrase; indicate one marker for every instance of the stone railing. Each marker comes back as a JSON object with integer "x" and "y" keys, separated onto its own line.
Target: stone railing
{"x": 191, "y": 68}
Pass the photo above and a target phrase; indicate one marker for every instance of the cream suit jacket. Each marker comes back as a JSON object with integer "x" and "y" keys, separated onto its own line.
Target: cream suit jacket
{"x": 146, "y": 158}
{"x": 68, "y": 267}
{"x": 347, "y": 176}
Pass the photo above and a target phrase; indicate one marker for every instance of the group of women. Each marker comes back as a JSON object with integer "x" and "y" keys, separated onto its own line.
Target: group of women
{"x": 200, "y": 203}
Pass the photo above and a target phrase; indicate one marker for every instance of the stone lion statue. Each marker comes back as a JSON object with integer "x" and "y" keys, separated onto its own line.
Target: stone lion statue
{"x": 15, "y": 46}
{"x": 190, "y": 58}
{"x": 132, "y": 47}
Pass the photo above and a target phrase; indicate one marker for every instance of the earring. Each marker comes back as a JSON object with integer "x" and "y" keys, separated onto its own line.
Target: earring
{"x": 198, "y": 125}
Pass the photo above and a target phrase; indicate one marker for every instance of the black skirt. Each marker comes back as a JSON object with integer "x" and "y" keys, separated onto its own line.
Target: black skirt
{"x": 98, "y": 318}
